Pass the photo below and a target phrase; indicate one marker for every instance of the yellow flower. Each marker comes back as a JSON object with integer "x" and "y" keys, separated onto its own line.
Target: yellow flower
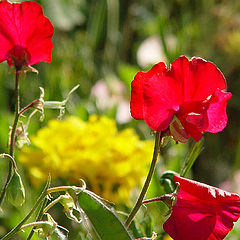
{"x": 167, "y": 237}
{"x": 111, "y": 162}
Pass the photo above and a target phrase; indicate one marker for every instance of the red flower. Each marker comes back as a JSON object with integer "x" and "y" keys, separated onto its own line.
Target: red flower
{"x": 25, "y": 34}
{"x": 202, "y": 212}
{"x": 190, "y": 90}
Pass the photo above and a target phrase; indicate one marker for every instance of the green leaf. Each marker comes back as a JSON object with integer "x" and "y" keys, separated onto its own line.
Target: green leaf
{"x": 194, "y": 152}
{"x": 102, "y": 217}
{"x": 15, "y": 191}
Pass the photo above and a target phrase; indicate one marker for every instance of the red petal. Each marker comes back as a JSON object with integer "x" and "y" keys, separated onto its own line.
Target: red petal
{"x": 137, "y": 85}
{"x": 198, "y": 77}
{"x": 206, "y": 116}
{"x": 193, "y": 118}
{"x": 205, "y": 79}
{"x": 161, "y": 101}
{"x": 24, "y": 26}
{"x": 179, "y": 71}
{"x": 202, "y": 212}
{"x": 193, "y": 125}
{"x": 8, "y": 35}
{"x": 186, "y": 224}
{"x": 37, "y": 33}
{"x": 216, "y": 112}
{"x": 197, "y": 190}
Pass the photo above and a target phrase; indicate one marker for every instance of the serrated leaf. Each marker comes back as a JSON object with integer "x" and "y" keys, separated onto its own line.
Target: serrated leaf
{"x": 102, "y": 217}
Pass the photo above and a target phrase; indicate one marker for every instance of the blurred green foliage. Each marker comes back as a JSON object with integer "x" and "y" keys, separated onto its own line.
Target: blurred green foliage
{"x": 101, "y": 41}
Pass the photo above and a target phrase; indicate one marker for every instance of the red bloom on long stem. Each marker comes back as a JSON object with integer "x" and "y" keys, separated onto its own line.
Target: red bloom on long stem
{"x": 188, "y": 98}
{"x": 25, "y": 34}
{"x": 202, "y": 212}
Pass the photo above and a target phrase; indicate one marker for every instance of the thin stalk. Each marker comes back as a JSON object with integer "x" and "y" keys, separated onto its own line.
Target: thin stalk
{"x": 50, "y": 205}
{"x": 192, "y": 156}
{"x": 39, "y": 217}
{"x": 12, "y": 135}
{"x": 34, "y": 224}
{"x": 16, "y": 116}
{"x": 138, "y": 204}
{"x": 10, "y": 158}
{"x": 28, "y": 106}
{"x": 156, "y": 199}
{"x": 18, "y": 227}
{"x": 66, "y": 189}
{"x": 169, "y": 199}
{"x": 44, "y": 193}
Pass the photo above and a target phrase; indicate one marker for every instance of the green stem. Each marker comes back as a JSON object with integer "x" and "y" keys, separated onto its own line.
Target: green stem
{"x": 193, "y": 154}
{"x": 64, "y": 189}
{"x": 34, "y": 224}
{"x": 39, "y": 217}
{"x": 12, "y": 136}
{"x": 28, "y": 106}
{"x": 138, "y": 204}
{"x": 51, "y": 204}
{"x": 5, "y": 155}
{"x": 45, "y": 192}
{"x": 18, "y": 227}
{"x": 16, "y": 117}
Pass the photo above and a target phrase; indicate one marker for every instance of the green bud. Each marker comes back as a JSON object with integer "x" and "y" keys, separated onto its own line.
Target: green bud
{"x": 47, "y": 227}
{"x": 61, "y": 105}
{"x": 69, "y": 208}
{"x": 15, "y": 191}
{"x": 166, "y": 180}
{"x": 51, "y": 230}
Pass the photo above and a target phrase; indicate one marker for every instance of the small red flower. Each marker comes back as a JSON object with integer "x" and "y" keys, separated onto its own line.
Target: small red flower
{"x": 189, "y": 95}
{"x": 202, "y": 212}
{"x": 25, "y": 34}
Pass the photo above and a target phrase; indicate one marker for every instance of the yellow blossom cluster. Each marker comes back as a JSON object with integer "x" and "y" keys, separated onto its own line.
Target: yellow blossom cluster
{"x": 111, "y": 162}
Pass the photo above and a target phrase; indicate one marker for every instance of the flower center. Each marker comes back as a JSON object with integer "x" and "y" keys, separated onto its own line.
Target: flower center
{"x": 18, "y": 56}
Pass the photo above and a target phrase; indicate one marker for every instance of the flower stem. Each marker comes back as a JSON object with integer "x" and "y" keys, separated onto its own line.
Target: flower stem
{"x": 18, "y": 227}
{"x": 12, "y": 135}
{"x": 16, "y": 116}
{"x": 64, "y": 189}
{"x": 39, "y": 217}
{"x": 5, "y": 155}
{"x": 192, "y": 156}
{"x": 51, "y": 204}
{"x": 44, "y": 193}
{"x": 138, "y": 204}
{"x": 28, "y": 106}
{"x": 157, "y": 199}
{"x": 34, "y": 224}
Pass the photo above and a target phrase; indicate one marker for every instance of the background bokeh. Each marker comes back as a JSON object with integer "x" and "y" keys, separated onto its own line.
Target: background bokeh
{"x": 102, "y": 44}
